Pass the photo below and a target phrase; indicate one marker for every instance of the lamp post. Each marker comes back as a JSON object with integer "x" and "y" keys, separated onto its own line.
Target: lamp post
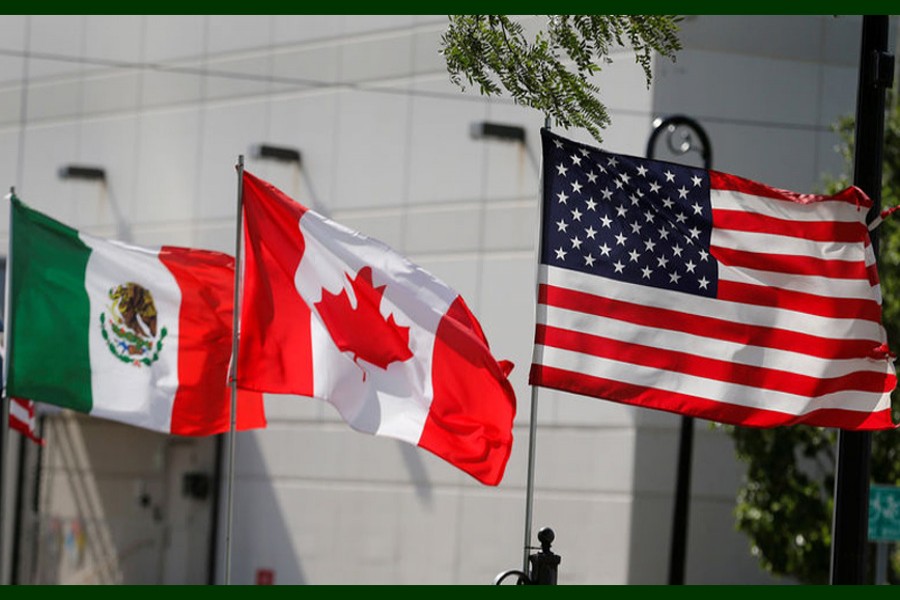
{"x": 682, "y": 135}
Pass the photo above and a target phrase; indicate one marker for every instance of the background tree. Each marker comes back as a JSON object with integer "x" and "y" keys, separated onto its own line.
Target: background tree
{"x": 786, "y": 502}
{"x": 552, "y": 71}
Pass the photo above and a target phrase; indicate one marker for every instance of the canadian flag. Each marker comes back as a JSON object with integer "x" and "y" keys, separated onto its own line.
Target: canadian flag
{"x": 332, "y": 314}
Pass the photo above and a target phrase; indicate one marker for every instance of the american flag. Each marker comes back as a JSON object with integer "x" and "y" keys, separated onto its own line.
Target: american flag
{"x": 705, "y": 294}
{"x": 21, "y": 419}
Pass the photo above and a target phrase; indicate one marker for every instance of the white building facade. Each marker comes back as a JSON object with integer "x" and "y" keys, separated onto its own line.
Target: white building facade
{"x": 166, "y": 104}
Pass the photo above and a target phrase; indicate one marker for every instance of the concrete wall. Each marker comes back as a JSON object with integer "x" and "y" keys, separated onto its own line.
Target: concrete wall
{"x": 166, "y": 104}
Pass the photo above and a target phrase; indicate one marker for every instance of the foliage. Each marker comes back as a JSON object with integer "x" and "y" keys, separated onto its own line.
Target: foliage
{"x": 786, "y": 503}
{"x": 551, "y": 72}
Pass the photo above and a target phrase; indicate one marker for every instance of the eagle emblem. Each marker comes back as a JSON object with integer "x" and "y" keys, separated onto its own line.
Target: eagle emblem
{"x": 131, "y": 331}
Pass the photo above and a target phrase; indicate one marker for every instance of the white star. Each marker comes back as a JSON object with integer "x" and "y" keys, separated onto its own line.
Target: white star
{"x": 576, "y": 243}
{"x": 619, "y": 266}
{"x": 663, "y": 233}
{"x": 670, "y": 176}
{"x": 642, "y": 170}
{"x": 590, "y": 232}
{"x": 662, "y": 261}
{"x": 611, "y": 161}
{"x": 634, "y": 255}
{"x": 618, "y": 183}
{"x": 697, "y": 181}
{"x": 620, "y": 239}
{"x": 560, "y": 254}
{"x": 576, "y": 214}
{"x": 704, "y": 255}
{"x": 649, "y": 245}
{"x": 625, "y": 178}
{"x": 606, "y": 221}
{"x": 601, "y": 167}
{"x": 634, "y": 199}
{"x": 561, "y": 225}
{"x": 698, "y": 209}
{"x": 635, "y": 227}
{"x": 690, "y": 266}
{"x": 695, "y": 233}
{"x": 674, "y": 277}
{"x": 592, "y": 177}
{"x": 576, "y": 187}
{"x": 703, "y": 283}
{"x": 621, "y": 211}
{"x": 676, "y": 250}
{"x": 562, "y": 197}
{"x": 649, "y": 216}
{"x": 591, "y": 205}
{"x": 561, "y": 170}
{"x": 647, "y": 271}
{"x": 667, "y": 202}
{"x": 584, "y": 151}
{"x": 680, "y": 218}
{"x": 557, "y": 143}
{"x": 682, "y": 192}
{"x": 576, "y": 160}
{"x": 607, "y": 194}
{"x": 605, "y": 250}
{"x": 588, "y": 260}
{"x": 654, "y": 187}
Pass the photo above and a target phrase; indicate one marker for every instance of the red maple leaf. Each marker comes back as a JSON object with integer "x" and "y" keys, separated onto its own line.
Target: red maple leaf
{"x": 363, "y": 330}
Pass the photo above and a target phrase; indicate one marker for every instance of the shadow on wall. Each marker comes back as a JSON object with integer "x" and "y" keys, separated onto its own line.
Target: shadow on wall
{"x": 113, "y": 507}
{"x": 261, "y": 546}
{"x": 307, "y": 484}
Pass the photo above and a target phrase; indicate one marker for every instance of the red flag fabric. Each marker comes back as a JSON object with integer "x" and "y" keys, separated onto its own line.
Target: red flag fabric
{"x": 706, "y": 294}
{"x": 332, "y": 314}
{"x": 21, "y": 419}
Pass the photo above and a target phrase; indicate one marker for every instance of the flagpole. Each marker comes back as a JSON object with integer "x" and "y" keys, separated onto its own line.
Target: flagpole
{"x": 232, "y": 378}
{"x": 4, "y": 399}
{"x": 532, "y": 424}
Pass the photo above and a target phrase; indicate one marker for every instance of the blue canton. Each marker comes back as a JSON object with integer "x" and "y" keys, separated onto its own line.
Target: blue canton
{"x": 631, "y": 219}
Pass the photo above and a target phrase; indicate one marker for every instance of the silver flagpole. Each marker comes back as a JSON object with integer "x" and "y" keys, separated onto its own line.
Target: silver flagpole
{"x": 234, "y": 358}
{"x": 4, "y": 404}
{"x": 532, "y": 425}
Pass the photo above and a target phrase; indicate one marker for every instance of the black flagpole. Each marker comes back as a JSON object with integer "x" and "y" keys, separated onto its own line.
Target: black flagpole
{"x": 851, "y": 487}
{"x": 678, "y": 549}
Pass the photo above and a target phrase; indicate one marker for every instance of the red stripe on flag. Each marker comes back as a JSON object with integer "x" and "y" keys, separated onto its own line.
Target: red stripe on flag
{"x": 704, "y": 408}
{"x": 824, "y": 306}
{"x": 711, "y": 368}
{"x": 817, "y": 231}
{"x": 720, "y": 329}
{"x": 793, "y": 265}
{"x": 275, "y": 320}
{"x": 203, "y": 401}
{"x": 21, "y": 419}
{"x": 725, "y": 181}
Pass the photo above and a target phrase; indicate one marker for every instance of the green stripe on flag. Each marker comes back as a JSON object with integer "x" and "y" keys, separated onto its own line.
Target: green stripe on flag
{"x": 49, "y": 359}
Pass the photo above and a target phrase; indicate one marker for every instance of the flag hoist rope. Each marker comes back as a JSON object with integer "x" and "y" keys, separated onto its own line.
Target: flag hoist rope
{"x": 232, "y": 378}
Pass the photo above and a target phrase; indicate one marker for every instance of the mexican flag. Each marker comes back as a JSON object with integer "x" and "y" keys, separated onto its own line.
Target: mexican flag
{"x": 132, "y": 334}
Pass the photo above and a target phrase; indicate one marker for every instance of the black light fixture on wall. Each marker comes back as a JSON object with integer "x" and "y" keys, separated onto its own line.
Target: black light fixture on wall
{"x": 280, "y": 153}
{"x": 85, "y": 172}
{"x": 498, "y": 131}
